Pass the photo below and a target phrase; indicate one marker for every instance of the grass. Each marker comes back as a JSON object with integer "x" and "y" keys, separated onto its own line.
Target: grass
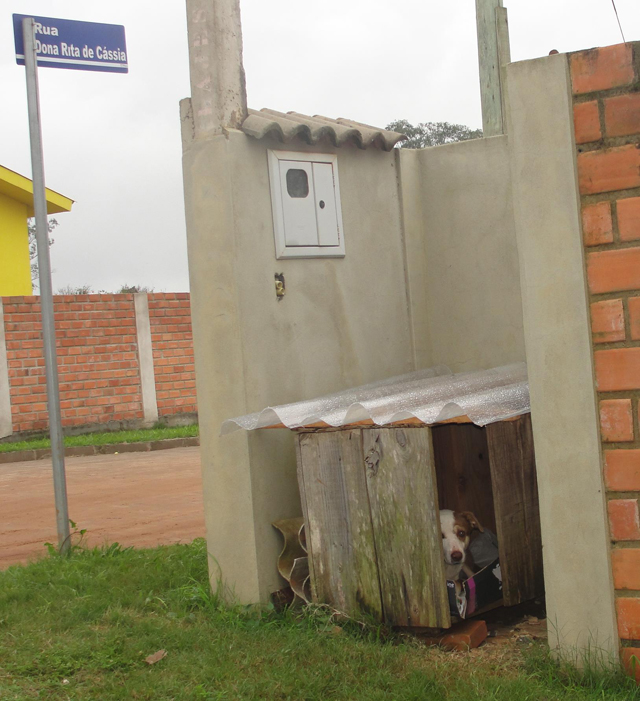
{"x": 149, "y": 434}
{"x": 80, "y": 627}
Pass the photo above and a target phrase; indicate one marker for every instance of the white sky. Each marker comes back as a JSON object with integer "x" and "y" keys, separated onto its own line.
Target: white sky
{"x": 112, "y": 142}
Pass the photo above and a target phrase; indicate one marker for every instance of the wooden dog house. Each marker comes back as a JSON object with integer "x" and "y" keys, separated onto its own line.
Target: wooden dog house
{"x": 371, "y": 493}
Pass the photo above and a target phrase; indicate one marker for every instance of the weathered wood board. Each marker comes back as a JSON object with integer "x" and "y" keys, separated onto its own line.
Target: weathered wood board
{"x": 370, "y": 500}
{"x": 402, "y": 492}
{"x": 463, "y": 473}
{"x": 515, "y": 494}
{"x": 340, "y": 534}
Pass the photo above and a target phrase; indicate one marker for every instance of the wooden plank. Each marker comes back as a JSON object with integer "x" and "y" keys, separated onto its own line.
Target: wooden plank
{"x": 339, "y": 530}
{"x": 492, "y": 122}
{"x": 515, "y": 496}
{"x": 402, "y": 490}
{"x": 463, "y": 472}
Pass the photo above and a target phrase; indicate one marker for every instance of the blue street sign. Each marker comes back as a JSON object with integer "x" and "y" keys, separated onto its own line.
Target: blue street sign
{"x": 81, "y": 46}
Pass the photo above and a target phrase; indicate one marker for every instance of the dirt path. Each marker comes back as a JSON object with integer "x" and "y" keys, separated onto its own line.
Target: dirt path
{"x": 141, "y": 499}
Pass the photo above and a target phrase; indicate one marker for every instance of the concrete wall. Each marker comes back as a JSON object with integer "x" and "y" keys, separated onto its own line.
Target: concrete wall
{"x": 462, "y": 259}
{"x": 564, "y": 412}
{"x": 468, "y": 254}
{"x": 386, "y": 308}
{"x": 605, "y": 84}
{"x": 342, "y": 322}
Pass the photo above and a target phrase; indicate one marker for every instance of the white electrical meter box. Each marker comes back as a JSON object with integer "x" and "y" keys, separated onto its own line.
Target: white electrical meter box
{"x": 305, "y": 196}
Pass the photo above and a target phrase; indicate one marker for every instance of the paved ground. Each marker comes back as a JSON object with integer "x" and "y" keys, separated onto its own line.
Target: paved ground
{"x": 141, "y": 499}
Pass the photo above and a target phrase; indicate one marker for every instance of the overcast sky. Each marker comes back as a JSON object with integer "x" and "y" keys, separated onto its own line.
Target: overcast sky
{"x": 112, "y": 142}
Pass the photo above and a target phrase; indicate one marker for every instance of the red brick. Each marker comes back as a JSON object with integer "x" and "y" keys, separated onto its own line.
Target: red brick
{"x": 628, "y": 618}
{"x": 629, "y": 218}
{"x": 607, "y": 170}
{"x": 616, "y": 421}
{"x": 634, "y": 317}
{"x": 631, "y": 662}
{"x": 597, "y": 226}
{"x": 622, "y": 470}
{"x": 602, "y": 69}
{"x": 626, "y": 568}
{"x": 607, "y": 321}
{"x": 622, "y": 114}
{"x": 623, "y": 519}
{"x": 611, "y": 271}
{"x": 586, "y": 121}
{"x": 617, "y": 369}
{"x": 465, "y": 636}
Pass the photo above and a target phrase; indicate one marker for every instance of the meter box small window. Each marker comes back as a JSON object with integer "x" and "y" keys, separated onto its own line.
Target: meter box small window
{"x": 305, "y": 195}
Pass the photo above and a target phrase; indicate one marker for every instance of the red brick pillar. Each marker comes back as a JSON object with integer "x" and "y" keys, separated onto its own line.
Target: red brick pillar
{"x": 605, "y": 86}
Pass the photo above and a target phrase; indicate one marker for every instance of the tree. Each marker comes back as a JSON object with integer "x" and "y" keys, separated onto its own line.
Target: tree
{"x": 133, "y": 289}
{"x": 88, "y": 290}
{"x": 78, "y": 290}
{"x": 33, "y": 246}
{"x": 432, "y": 133}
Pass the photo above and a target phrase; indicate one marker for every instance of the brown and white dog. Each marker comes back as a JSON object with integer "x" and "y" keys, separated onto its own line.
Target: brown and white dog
{"x": 457, "y": 527}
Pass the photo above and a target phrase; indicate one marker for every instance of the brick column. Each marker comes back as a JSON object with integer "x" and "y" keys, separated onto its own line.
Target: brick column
{"x": 606, "y": 107}
{"x": 6, "y": 424}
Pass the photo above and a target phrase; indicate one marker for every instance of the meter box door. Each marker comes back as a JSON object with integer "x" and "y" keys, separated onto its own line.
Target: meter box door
{"x": 305, "y": 196}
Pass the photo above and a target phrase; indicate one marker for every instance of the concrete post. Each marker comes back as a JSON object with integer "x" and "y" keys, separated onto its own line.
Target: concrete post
{"x": 6, "y": 425}
{"x": 488, "y": 25}
{"x": 564, "y": 411}
{"x": 218, "y": 92}
{"x": 145, "y": 359}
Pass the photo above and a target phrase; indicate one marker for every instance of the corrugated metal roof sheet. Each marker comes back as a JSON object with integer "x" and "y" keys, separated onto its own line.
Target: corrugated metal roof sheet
{"x": 430, "y": 396}
{"x": 288, "y": 126}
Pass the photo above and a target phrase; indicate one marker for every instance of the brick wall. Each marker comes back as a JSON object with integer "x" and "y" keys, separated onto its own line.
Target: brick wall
{"x": 98, "y": 359}
{"x": 172, "y": 342}
{"x": 607, "y": 128}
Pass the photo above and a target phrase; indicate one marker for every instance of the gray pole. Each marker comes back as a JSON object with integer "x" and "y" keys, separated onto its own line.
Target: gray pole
{"x": 46, "y": 293}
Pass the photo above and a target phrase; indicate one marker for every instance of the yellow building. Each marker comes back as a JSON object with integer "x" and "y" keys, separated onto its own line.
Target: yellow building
{"x": 16, "y": 205}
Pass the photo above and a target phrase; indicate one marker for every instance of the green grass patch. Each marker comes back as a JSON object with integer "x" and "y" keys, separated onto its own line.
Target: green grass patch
{"x": 80, "y": 627}
{"x": 139, "y": 436}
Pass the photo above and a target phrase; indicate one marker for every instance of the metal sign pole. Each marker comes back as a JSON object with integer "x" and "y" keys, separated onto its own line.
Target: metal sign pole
{"x": 46, "y": 292}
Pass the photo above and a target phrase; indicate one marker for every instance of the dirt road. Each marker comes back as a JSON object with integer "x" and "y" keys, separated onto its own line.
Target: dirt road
{"x": 141, "y": 499}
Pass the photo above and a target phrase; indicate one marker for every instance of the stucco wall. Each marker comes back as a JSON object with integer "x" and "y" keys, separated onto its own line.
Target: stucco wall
{"x": 430, "y": 276}
{"x": 462, "y": 258}
{"x": 342, "y": 322}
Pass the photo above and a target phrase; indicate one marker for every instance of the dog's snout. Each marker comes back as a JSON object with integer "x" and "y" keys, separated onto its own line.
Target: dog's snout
{"x": 456, "y": 555}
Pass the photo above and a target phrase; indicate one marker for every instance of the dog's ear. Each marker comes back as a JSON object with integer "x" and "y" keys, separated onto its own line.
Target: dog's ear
{"x": 473, "y": 521}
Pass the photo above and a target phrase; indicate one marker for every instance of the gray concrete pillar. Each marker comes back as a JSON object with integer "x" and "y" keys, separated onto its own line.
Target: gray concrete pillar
{"x": 145, "y": 358}
{"x": 218, "y": 92}
{"x": 6, "y": 425}
{"x": 564, "y": 410}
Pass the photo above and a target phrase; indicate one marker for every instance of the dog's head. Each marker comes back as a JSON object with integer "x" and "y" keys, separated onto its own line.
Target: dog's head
{"x": 457, "y": 527}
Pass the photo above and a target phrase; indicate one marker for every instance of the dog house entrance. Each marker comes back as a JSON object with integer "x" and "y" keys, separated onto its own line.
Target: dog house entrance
{"x": 371, "y": 500}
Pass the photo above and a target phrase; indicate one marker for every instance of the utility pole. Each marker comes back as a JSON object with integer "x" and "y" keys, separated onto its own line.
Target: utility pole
{"x": 493, "y": 55}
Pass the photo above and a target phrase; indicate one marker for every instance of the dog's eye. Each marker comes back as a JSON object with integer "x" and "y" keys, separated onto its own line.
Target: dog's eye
{"x": 461, "y": 534}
